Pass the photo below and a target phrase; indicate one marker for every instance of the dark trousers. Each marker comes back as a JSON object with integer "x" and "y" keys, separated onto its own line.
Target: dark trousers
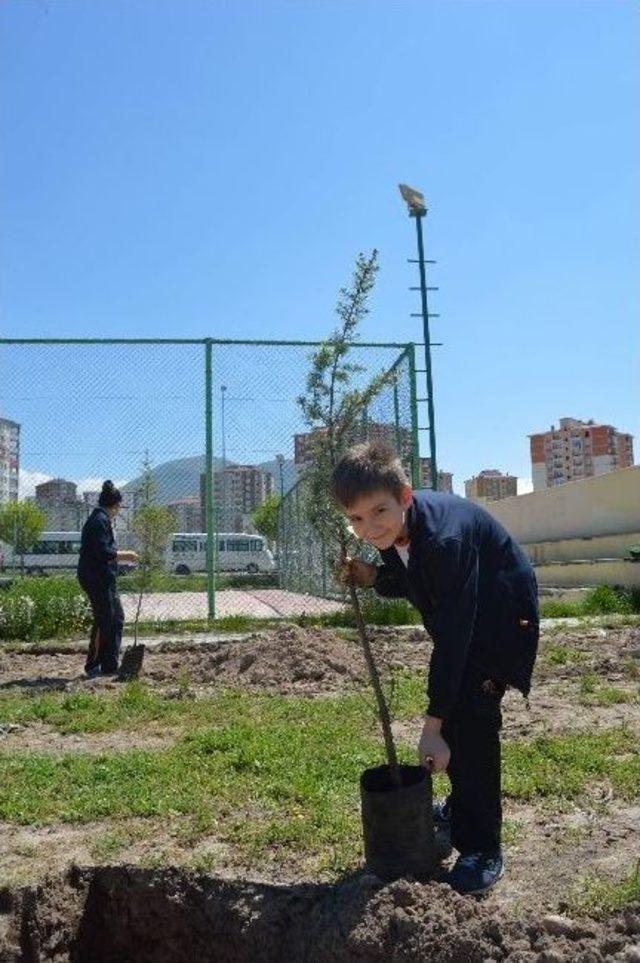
{"x": 106, "y": 627}
{"x": 473, "y": 735}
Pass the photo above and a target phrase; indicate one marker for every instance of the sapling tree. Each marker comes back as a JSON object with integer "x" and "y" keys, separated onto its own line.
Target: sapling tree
{"x": 333, "y": 407}
{"x": 151, "y": 524}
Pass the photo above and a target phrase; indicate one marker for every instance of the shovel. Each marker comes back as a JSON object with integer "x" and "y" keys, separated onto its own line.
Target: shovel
{"x": 133, "y": 657}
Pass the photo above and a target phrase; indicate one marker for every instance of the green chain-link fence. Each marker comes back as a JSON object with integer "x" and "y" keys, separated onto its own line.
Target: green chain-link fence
{"x": 220, "y": 424}
{"x": 307, "y": 561}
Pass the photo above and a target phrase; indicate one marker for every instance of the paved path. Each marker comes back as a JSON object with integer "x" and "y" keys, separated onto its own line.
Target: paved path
{"x": 258, "y": 603}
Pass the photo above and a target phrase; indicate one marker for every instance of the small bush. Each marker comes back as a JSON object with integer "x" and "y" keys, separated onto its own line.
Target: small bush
{"x": 16, "y": 616}
{"x": 605, "y": 599}
{"x": 39, "y": 608}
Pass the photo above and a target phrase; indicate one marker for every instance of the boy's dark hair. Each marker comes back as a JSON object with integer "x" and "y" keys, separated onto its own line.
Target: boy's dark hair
{"x": 365, "y": 469}
{"x": 110, "y": 495}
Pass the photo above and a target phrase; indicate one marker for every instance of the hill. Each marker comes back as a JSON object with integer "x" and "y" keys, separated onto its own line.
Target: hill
{"x": 180, "y": 478}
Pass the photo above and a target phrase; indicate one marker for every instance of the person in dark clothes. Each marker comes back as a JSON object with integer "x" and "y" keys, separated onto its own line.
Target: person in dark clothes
{"x": 477, "y": 594}
{"x": 97, "y": 571}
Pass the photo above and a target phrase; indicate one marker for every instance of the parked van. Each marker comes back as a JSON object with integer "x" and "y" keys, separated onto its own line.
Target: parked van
{"x": 234, "y": 552}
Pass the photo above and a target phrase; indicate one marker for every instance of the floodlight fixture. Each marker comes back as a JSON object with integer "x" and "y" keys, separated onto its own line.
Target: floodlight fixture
{"x": 414, "y": 200}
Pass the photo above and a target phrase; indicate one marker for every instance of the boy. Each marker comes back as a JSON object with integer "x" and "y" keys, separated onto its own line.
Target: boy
{"x": 477, "y": 595}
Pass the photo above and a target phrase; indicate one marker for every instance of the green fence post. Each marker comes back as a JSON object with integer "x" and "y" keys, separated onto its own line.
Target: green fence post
{"x": 415, "y": 446}
{"x": 396, "y": 417}
{"x": 211, "y": 591}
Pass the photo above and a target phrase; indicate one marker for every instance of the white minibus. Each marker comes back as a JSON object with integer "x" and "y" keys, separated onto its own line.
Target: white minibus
{"x": 235, "y": 552}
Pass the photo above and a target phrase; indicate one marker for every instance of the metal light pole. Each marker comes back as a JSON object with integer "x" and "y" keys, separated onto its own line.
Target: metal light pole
{"x": 418, "y": 209}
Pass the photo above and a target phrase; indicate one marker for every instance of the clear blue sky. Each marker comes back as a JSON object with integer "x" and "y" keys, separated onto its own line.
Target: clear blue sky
{"x": 182, "y": 169}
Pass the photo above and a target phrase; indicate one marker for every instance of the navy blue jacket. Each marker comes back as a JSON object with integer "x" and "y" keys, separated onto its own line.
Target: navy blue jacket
{"x": 98, "y": 562}
{"x": 476, "y": 592}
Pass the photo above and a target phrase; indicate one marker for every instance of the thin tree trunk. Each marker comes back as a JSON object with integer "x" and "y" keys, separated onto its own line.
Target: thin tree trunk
{"x": 383, "y": 709}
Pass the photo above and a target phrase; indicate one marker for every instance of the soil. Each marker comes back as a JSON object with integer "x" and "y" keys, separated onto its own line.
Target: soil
{"x": 137, "y": 913}
{"x": 126, "y": 914}
{"x": 289, "y": 660}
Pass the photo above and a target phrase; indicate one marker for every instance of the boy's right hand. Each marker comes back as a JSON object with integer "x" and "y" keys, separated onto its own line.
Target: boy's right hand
{"x": 354, "y": 572}
{"x": 433, "y": 751}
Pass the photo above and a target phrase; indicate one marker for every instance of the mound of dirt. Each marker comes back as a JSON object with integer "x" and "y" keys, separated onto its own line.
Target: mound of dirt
{"x": 124, "y": 914}
{"x": 289, "y": 659}
{"x": 286, "y": 659}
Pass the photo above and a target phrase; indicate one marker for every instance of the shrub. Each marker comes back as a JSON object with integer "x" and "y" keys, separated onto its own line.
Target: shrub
{"x": 606, "y": 599}
{"x": 39, "y": 608}
{"x": 16, "y": 616}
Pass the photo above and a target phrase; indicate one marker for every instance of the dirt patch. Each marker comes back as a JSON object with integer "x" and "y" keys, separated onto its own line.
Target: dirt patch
{"x": 38, "y": 737}
{"x": 168, "y": 916}
{"x": 288, "y": 659}
{"x": 314, "y": 661}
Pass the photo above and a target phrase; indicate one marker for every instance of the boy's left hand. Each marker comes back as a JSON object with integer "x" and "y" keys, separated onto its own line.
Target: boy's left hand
{"x": 433, "y": 751}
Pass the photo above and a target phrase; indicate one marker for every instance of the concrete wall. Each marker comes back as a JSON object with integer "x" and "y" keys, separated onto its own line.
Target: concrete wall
{"x": 589, "y": 573}
{"x": 579, "y": 533}
{"x": 568, "y": 549}
{"x": 600, "y": 506}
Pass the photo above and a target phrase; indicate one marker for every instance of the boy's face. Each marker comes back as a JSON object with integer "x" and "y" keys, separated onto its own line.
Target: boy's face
{"x": 378, "y": 518}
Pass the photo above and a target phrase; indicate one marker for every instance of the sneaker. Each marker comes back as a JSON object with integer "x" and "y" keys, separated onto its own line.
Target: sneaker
{"x": 476, "y": 873}
{"x": 93, "y": 672}
{"x": 442, "y": 830}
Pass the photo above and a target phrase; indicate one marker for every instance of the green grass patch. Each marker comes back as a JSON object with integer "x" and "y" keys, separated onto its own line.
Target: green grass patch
{"x": 276, "y": 777}
{"x": 133, "y": 708}
{"x": 563, "y": 767}
{"x": 137, "y": 705}
{"x": 513, "y": 831}
{"x": 560, "y": 610}
{"x": 604, "y": 896}
{"x": 595, "y": 693}
{"x": 272, "y": 772}
{"x": 554, "y": 654}
{"x": 376, "y": 611}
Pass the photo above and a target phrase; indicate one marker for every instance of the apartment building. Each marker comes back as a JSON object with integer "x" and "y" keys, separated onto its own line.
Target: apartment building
{"x": 9, "y": 460}
{"x": 238, "y": 491}
{"x": 577, "y": 449}
{"x": 491, "y": 484}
